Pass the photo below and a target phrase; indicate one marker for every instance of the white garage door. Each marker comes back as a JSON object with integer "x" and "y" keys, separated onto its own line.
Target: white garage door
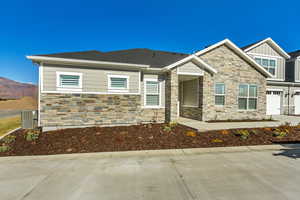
{"x": 273, "y": 102}
{"x": 297, "y": 103}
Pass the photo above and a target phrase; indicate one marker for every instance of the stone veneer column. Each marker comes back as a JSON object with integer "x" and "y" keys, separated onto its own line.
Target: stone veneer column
{"x": 172, "y": 96}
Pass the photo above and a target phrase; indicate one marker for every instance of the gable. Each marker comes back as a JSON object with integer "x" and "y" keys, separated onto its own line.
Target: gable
{"x": 265, "y": 49}
{"x": 189, "y": 68}
{"x": 230, "y": 64}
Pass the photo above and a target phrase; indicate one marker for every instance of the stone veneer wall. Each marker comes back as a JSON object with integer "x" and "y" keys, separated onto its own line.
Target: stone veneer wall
{"x": 172, "y": 95}
{"x": 232, "y": 70}
{"x": 91, "y": 109}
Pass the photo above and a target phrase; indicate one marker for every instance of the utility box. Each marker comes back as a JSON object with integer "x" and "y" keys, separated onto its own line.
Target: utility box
{"x": 29, "y": 119}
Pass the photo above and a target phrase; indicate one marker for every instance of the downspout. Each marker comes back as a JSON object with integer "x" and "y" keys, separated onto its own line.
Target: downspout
{"x": 288, "y": 99}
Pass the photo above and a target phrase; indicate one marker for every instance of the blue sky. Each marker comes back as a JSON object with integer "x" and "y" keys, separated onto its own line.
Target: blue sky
{"x": 39, "y": 27}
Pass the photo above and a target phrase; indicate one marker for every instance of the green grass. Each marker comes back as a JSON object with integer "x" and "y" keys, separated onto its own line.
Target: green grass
{"x": 8, "y": 124}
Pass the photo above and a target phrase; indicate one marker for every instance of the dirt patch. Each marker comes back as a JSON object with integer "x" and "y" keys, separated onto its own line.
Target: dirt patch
{"x": 139, "y": 137}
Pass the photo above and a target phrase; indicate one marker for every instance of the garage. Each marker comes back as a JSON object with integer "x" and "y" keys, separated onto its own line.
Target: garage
{"x": 297, "y": 102}
{"x": 273, "y": 102}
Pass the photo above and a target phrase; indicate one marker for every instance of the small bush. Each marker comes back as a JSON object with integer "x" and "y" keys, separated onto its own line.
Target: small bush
{"x": 4, "y": 148}
{"x": 173, "y": 124}
{"x": 9, "y": 139}
{"x": 279, "y": 133}
{"x": 32, "y": 135}
{"x": 224, "y": 132}
{"x": 167, "y": 128}
{"x": 191, "y": 133}
{"x": 244, "y": 134}
{"x": 216, "y": 140}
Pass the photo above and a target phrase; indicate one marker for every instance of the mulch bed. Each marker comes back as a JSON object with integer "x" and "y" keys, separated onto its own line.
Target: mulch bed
{"x": 242, "y": 120}
{"x": 139, "y": 137}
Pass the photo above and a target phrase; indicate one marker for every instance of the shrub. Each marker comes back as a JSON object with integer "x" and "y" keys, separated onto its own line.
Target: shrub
{"x": 279, "y": 133}
{"x": 244, "y": 134}
{"x": 31, "y": 135}
{"x": 167, "y": 128}
{"x": 4, "y": 148}
{"x": 173, "y": 124}
{"x": 9, "y": 139}
{"x": 224, "y": 132}
{"x": 191, "y": 133}
{"x": 216, "y": 140}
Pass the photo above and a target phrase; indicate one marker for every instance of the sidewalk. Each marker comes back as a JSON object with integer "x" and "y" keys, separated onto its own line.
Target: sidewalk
{"x": 204, "y": 126}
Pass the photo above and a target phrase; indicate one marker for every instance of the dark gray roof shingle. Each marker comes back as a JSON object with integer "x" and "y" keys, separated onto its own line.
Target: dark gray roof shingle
{"x": 249, "y": 45}
{"x": 295, "y": 54}
{"x": 154, "y": 58}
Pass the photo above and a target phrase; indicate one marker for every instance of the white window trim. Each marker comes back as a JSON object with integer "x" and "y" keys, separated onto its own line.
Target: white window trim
{"x": 118, "y": 90}
{"x": 276, "y": 66}
{"x": 182, "y": 96}
{"x": 221, "y": 95}
{"x": 68, "y": 88}
{"x": 145, "y": 92}
{"x": 248, "y": 97}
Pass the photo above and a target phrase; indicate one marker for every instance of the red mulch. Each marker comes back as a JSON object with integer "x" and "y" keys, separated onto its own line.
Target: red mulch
{"x": 137, "y": 137}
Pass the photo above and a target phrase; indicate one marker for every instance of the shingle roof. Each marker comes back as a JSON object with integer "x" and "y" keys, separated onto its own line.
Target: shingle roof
{"x": 295, "y": 54}
{"x": 249, "y": 45}
{"x": 154, "y": 58}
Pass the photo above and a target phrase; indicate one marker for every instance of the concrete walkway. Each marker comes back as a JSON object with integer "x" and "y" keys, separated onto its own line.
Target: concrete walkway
{"x": 265, "y": 175}
{"x": 204, "y": 126}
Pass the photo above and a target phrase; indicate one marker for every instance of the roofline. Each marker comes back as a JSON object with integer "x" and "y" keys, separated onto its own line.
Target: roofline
{"x": 192, "y": 57}
{"x": 238, "y": 51}
{"x": 286, "y": 55}
{"x": 81, "y": 61}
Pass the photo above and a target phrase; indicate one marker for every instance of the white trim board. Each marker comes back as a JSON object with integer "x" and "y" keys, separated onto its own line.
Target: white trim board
{"x": 81, "y": 61}
{"x": 271, "y": 43}
{"x": 80, "y": 92}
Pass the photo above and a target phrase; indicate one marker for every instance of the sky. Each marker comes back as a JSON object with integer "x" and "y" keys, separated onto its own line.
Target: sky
{"x": 41, "y": 27}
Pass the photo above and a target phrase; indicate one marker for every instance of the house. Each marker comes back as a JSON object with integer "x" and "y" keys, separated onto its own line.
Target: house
{"x": 283, "y": 90}
{"x": 132, "y": 86}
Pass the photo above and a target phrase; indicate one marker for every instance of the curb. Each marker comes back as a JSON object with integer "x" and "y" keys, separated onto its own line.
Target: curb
{"x": 164, "y": 152}
{"x": 9, "y": 132}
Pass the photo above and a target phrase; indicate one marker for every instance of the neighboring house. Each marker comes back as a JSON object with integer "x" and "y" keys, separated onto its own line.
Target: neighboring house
{"x": 283, "y": 91}
{"x": 140, "y": 85}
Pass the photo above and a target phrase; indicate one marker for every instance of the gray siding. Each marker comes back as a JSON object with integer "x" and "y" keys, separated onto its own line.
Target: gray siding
{"x": 297, "y": 69}
{"x": 161, "y": 79}
{"x": 266, "y": 50}
{"x": 93, "y": 80}
{"x": 189, "y": 67}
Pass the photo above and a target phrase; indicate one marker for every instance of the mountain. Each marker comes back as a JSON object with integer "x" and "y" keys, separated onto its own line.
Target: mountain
{"x": 10, "y": 89}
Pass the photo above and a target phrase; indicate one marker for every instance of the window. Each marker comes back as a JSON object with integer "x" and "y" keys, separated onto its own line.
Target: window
{"x": 220, "y": 94}
{"x": 118, "y": 83}
{"x": 152, "y": 93}
{"x": 247, "y": 99}
{"x": 69, "y": 81}
{"x": 268, "y": 64}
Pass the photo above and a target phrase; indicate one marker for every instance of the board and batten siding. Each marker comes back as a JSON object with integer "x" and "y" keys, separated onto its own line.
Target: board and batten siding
{"x": 93, "y": 79}
{"x": 266, "y": 50}
{"x": 161, "y": 79}
{"x": 297, "y": 70}
{"x": 189, "y": 67}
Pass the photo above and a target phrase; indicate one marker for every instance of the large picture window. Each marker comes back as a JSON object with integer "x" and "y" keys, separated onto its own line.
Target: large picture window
{"x": 152, "y": 93}
{"x": 220, "y": 94}
{"x": 247, "y": 99}
{"x": 268, "y": 64}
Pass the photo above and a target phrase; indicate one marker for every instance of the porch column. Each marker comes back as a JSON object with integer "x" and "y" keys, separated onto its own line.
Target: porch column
{"x": 172, "y": 96}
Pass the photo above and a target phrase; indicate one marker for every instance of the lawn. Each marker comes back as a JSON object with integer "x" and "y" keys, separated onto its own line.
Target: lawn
{"x": 10, "y": 123}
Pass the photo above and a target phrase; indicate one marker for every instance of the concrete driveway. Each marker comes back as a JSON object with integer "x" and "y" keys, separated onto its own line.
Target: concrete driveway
{"x": 240, "y": 175}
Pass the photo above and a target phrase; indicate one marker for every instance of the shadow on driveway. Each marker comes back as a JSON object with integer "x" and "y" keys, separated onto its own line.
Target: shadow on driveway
{"x": 293, "y": 152}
